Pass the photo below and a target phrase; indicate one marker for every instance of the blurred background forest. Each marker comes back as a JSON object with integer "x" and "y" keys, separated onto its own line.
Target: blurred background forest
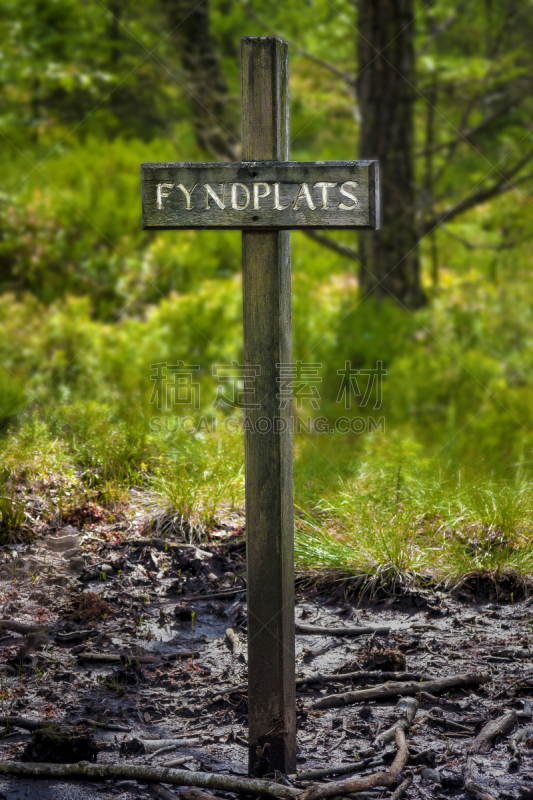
{"x": 440, "y": 92}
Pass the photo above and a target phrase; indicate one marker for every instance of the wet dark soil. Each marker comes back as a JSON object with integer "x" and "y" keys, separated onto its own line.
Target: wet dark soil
{"x": 108, "y": 591}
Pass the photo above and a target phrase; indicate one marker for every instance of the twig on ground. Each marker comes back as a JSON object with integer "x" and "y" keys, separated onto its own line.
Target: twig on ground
{"x": 424, "y": 698}
{"x": 354, "y": 631}
{"x": 177, "y": 762}
{"x": 336, "y": 744}
{"x": 444, "y": 722}
{"x": 390, "y": 689}
{"x": 180, "y": 654}
{"x": 166, "y": 749}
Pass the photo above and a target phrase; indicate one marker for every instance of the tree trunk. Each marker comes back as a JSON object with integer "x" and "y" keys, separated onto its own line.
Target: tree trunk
{"x": 390, "y": 262}
{"x": 213, "y": 119}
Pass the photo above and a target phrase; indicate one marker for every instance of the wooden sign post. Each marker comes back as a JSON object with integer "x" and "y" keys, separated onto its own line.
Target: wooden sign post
{"x": 265, "y": 196}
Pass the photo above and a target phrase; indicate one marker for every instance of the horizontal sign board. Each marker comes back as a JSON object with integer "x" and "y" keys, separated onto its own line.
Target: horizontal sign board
{"x": 261, "y": 195}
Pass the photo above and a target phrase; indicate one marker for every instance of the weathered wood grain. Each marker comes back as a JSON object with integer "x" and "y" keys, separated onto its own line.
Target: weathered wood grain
{"x": 261, "y": 195}
{"x": 269, "y": 492}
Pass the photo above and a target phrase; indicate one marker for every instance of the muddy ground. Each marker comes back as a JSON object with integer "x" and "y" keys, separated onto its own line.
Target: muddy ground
{"x": 105, "y": 589}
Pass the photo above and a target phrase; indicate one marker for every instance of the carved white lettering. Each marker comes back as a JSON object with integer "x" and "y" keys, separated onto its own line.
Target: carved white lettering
{"x": 258, "y": 194}
{"x": 161, "y": 194}
{"x": 324, "y": 185}
{"x": 234, "y": 203}
{"x": 209, "y": 192}
{"x": 187, "y": 194}
{"x": 277, "y": 204}
{"x": 343, "y": 191}
{"x": 303, "y": 191}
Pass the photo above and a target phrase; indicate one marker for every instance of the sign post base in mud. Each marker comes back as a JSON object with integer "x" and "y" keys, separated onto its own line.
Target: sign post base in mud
{"x": 265, "y": 196}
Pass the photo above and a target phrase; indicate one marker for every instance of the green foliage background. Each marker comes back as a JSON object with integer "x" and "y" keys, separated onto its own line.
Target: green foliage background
{"x": 90, "y": 301}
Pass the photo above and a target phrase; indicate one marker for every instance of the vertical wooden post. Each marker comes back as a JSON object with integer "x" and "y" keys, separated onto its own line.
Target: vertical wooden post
{"x": 269, "y": 493}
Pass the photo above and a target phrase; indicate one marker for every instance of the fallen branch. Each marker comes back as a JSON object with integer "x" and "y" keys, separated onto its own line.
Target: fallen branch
{"x": 340, "y": 677}
{"x": 444, "y": 722}
{"x": 216, "y": 595}
{"x": 402, "y": 756}
{"x": 357, "y": 766}
{"x": 361, "y": 675}
{"x": 117, "y": 658}
{"x": 423, "y": 757}
{"x": 409, "y": 706}
{"x": 177, "y": 762}
{"x": 496, "y": 727}
{"x": 122, "y": 658}
{"x": 391, "y": 689}
{"x": 424, "y": 698}
{"x": 20, "y": 627}
{"x": 180, "y": 654}
{"x": 159, "y": 791}
{"x": 349, "y": 786}
{"x": 514, "y": 762}
{"x": 74, "y": 637}
{"x": 196, "y": 794}
{"x": 166, "y": 749}
{"x": 233, "y": 643}
{"x": 137, "y": 746}
{"x": 148, "y": 774}
{"x": 316, "y": 630}
{"x": 22, "y": 722}
{"x": 107, "y": 726}
{"x": 36, "y": 725}
{"x": 471, "y": 786}
{"x": 355, "y": 785}
{"x": 402, "y": 788}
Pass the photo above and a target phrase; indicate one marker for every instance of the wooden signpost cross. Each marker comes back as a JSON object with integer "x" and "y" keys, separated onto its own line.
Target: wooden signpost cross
{"x": 265, "y": 196}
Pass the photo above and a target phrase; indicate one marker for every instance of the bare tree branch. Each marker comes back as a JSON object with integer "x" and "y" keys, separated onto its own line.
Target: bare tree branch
{"x": 348, "y": 79}
{"x": 503, "y": 184}
{"x": 442, "y": 28}
{"x": 337, "y": 247}
{"x": 508, "y": 245}
{"x": 465, "y": 136}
